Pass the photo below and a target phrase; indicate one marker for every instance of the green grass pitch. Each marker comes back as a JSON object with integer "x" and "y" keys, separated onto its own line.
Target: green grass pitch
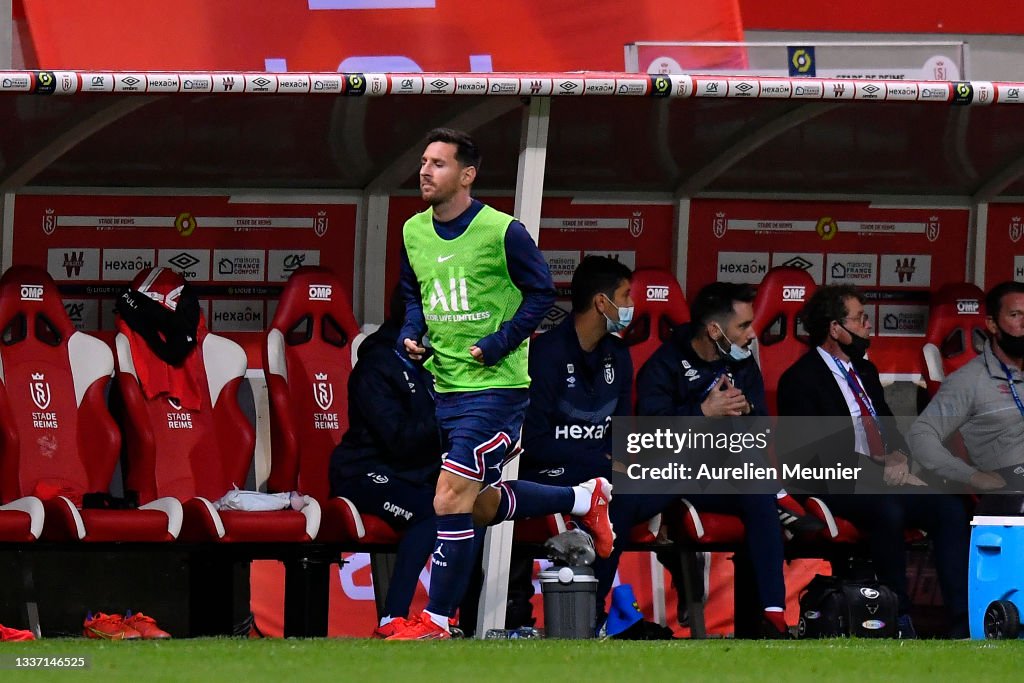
{"x": 363, "y": 661}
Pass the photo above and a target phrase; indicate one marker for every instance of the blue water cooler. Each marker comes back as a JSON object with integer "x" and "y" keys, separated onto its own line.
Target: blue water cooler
{"x": 996, "y": 583}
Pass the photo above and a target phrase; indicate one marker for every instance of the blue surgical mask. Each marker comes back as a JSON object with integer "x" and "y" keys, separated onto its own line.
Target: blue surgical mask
{"x": 625, "y": 318}
{"x": 735, "y": 351}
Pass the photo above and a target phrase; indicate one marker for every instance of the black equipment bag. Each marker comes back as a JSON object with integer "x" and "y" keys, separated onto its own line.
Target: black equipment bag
{"x": 831, "y": 607}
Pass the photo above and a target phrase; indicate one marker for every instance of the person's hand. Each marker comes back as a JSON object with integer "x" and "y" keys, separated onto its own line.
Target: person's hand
{"x": 725, "y": 400}
{"x": 414, "y": 350}
{"x": 896, "y": 469}
{"x": 986, "y": 481}
{"x": 477, "y": 353}
{"x": 914, "y": 480}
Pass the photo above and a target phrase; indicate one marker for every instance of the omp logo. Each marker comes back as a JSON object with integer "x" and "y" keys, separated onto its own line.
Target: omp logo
{"x": 31, "y": 292}
{"x": 793, "y": 293}
{"x": 73, "y": 262}
{"x": 320, "y": 293}
{"x": 657, "y": 293}
{"x": 967, "y": 306}
{"x": 183, "y": 261}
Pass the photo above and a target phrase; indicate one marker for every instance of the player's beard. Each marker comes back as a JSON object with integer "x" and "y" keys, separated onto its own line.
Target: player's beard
{"x": 437, "y": 197}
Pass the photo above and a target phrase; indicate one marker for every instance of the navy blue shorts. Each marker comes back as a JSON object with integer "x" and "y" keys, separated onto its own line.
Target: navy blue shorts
{"x": 480, "y": 431}
{"x": 398, "y": 502}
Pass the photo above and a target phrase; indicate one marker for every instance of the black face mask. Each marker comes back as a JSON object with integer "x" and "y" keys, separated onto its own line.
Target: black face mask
{"x": 1012, "y": 345}
{"x": 857, "y": 347}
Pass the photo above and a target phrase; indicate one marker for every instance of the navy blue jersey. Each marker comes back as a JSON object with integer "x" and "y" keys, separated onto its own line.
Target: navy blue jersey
{"x": 675, "y": 380}
{"x": 573, "y": 396}
{"x": 526, "y": 267}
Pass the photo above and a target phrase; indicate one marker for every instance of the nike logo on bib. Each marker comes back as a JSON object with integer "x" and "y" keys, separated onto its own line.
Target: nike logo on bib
{"x": 442, "y": 259}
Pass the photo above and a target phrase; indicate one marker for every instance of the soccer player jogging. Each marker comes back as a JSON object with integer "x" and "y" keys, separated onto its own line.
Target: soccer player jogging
{"x": 477, "y": 285}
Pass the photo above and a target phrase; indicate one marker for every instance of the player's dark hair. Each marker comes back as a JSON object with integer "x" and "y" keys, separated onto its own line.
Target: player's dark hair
{"x": 717, "y": 301}
{"x": 596, "y": 275}
{"x": 466, "y": 152}
{"x": 994, "y": 298}
{"x": 828, "y": 303}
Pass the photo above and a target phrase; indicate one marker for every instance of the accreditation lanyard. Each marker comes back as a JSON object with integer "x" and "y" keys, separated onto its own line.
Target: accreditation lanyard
{"x": 1013, "y": 387}
{"x": 857, "y": 387}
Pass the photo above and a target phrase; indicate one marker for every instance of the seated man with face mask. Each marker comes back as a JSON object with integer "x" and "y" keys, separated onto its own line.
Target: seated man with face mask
{"x": 835, "y": 379}
{"x": 706, "y": 370}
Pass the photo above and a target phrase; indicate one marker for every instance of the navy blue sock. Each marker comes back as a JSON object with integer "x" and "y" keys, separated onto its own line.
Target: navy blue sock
{"x": 451, "y": 562}
{"x": 522, "y": 499}
{"x": 413, "y": 550}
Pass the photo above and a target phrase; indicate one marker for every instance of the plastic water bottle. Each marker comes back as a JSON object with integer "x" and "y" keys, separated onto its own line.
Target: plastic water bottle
{"x": 512, "y": 634}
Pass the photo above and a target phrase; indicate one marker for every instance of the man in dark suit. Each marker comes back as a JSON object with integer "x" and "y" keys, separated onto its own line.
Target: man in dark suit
{"x": 835, "y": 379}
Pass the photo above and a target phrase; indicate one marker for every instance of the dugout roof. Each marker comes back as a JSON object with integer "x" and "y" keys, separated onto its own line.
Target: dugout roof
{"x": 678, "y": 135}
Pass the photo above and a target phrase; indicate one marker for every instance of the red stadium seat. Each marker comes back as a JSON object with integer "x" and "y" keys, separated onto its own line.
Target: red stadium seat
{"x": 780, "y": 298}
{"x": 660, "y": 307}
{"x": 308, "y": 356}
{"x": 63, "y": 443}
{"x": 956, "y": 331}
{"x": 197, "y": 455}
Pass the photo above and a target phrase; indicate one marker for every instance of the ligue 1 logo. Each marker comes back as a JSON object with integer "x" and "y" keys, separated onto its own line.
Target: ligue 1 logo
{"x": 323, "y": 391}
{"x": 719, "y": 225}
{"x": 39, "y": 389}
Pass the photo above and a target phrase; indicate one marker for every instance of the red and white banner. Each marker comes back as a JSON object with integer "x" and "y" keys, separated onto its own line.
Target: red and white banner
{"x": 362, "y": 35}
{"x": 1004, "y": 244}
{"x": 896, "y": 255}
{"x": 236, "y": 254}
